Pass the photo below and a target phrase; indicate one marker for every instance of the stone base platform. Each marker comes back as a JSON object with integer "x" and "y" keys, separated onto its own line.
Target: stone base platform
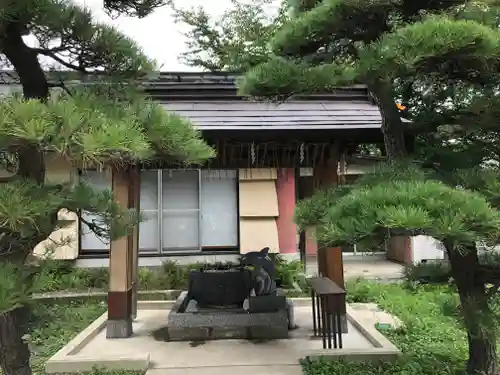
{"x": 187, "y": 323}
{"x": 219, "y": 333}
{"x": 147, "y": 348}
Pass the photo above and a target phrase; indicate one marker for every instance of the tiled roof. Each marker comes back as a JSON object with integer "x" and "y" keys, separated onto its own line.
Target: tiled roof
{"x": 293, "y": 114}
{"x": 211, "y": 102}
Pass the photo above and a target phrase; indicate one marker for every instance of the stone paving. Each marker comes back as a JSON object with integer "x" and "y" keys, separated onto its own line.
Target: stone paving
{"x": 147, "y": 347}
{"x": 370, "y": 313}
{"x": 369, "y": 267}
{"x": 149, "y": 337}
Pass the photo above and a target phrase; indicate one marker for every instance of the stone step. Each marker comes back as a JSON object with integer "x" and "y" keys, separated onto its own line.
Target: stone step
{"x": 230, "y": 370}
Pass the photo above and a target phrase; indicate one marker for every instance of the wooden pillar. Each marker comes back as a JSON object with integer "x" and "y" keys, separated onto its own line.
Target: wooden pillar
{"x": 119, "y": 323}
{"x": 136, "y": 205}
{"x": 330, "y": 262}
{"x": 331, "y": 265}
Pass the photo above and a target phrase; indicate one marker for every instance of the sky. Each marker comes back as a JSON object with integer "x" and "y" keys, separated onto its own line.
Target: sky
{"x": 158, "y": 34}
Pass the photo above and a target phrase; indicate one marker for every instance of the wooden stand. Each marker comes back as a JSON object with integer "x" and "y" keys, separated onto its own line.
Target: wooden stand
{"x": 331, "y": 266}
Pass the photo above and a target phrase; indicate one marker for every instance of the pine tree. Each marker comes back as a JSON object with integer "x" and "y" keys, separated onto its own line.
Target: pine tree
{"x": 106, "y": 123}
{"x": 401, "y": 199}
{"x": 393, "y": 46}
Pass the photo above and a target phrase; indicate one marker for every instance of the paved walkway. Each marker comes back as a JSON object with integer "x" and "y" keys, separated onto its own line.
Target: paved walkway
{"x": 150, "y": 335}
{"x": 369, "y": 267}
{"x": 147, "y": 347}
{"x": 368, "y": 312}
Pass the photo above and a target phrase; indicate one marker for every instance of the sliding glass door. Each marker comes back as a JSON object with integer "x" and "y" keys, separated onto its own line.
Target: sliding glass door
{"x": 180, "y": 210}
{"x": 219, "y": 209}
{"x": 196, "y": 209}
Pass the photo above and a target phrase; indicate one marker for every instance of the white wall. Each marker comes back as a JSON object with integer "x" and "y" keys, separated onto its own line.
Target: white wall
{"x": 158, "y": 261}
{"x": 426, "y": 248}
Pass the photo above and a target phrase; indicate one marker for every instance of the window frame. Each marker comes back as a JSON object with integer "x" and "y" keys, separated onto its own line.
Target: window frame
{"x": 172, "y": 251}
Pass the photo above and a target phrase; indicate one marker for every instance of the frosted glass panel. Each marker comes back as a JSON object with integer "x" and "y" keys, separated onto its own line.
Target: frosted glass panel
{"x": 149, "y": 233}
{"x": 219, "y": 208}
{"x": 149, "y": 236}
{"x": 180, "y": 230}
{"x": 149, "y": 190}
{"x": 89, "y": 241}
{"x": 180, "y": 189}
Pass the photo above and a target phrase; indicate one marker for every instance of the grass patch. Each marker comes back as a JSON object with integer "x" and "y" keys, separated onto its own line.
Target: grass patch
{"x": 432, "y": 340}
{"x": 52, "y": 325}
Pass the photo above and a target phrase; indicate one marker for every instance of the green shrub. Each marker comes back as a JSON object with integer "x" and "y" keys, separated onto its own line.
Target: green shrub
{"x": 491, "y": 258}
{"x": 15, "y": 286}
{"x": 450, "y": 304}
{"x": 440, "y": 273}
{"x": 362, "y": 292}
{"x": 175, "y": 276}
{"x": 432, "y": 273}
{"x": 63, "y": 276}
{"x": 147, "y": 279}
{"x": 290, "y": 274}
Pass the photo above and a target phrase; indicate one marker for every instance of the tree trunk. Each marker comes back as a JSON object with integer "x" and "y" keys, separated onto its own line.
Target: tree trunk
{"x": 14, "y": 352}
{"x": 392, "y": 127}
{"x": 35, "y": 86}
{"x": 478, "y": 318}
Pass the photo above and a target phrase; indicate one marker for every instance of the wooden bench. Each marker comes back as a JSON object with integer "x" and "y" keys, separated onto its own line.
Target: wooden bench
{"x": 328, "y": 300}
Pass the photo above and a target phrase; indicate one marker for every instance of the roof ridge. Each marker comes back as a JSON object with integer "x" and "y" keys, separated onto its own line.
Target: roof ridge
{"x": 155, "y": 77}
{"x": 175, "y": 86}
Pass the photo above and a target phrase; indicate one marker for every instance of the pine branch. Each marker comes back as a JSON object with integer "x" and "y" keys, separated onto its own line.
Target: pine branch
{"x": 44, "y": 51}
{"x": 66, "y": 64}
{"x": 133, "y": 8}
{"x": 90, "y": 127}
{"x": 98, "y": 230}
{"x": 62, "y": 86}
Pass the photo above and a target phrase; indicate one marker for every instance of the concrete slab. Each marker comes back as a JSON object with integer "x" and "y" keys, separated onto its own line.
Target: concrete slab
{"x": 147, "y": 347}
{"x": 369, "y": 267}
{"x": 370, "y": 312}
{"x": 240, "y": 370}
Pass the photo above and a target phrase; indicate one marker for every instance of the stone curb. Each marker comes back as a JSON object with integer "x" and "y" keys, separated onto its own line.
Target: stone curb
{"x": 170, "y": 294}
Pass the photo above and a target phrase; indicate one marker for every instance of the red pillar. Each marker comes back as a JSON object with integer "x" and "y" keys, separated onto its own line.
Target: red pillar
{"x": 287, "y": 230}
